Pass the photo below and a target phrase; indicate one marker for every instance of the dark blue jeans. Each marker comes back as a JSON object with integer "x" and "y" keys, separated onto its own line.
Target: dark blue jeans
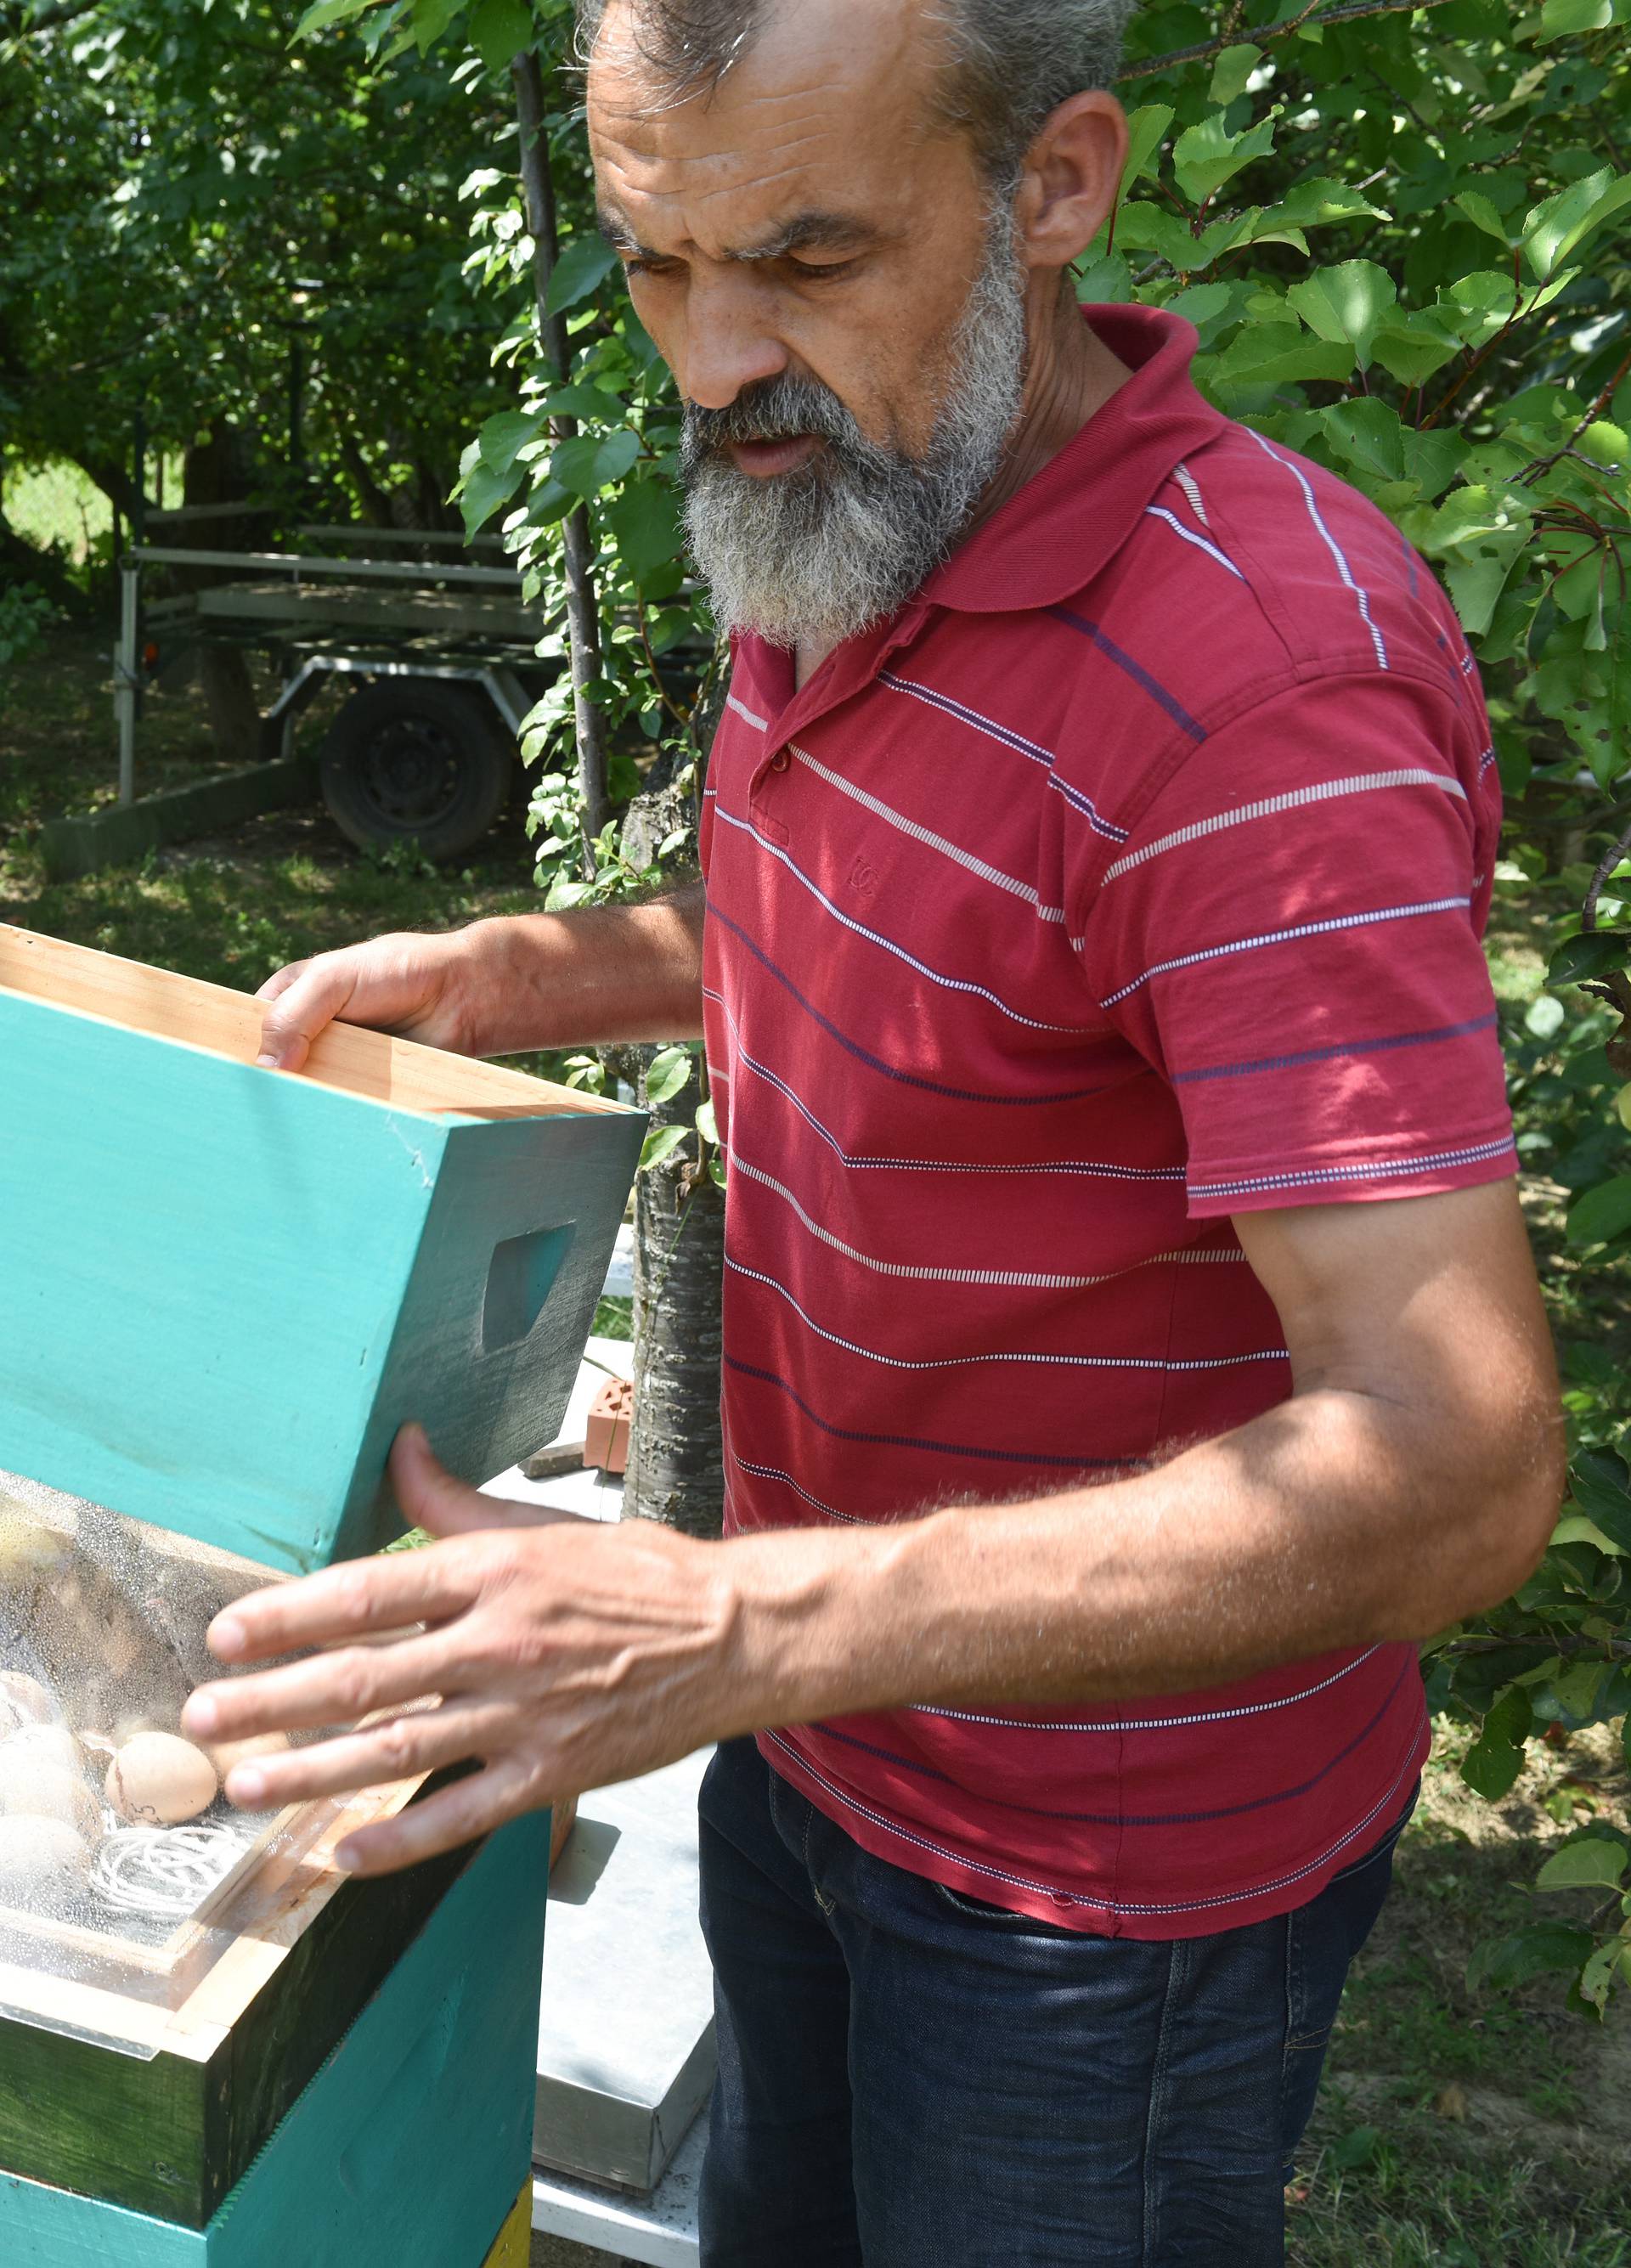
{"x": 910, "y": 2078}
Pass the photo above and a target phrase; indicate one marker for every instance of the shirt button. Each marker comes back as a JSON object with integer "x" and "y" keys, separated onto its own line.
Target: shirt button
{"x": 779, "y": 761}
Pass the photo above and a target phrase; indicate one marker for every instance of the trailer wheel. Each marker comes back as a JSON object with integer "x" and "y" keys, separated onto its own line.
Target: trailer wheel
{"x": 417, "y": 762}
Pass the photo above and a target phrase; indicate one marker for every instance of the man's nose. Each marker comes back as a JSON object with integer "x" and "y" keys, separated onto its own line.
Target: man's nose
{"x": 729, "y": 343}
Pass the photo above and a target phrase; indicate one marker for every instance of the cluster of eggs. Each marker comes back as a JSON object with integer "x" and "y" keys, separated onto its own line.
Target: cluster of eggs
{"x": 50, "y": 1820}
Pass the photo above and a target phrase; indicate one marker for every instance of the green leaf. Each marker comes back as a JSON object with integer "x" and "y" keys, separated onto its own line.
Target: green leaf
{"x": 1483, "y": 215}
{"x": 1477, "y": 579}
{"x": 1313, "y": 204}
{"x": 1231, "y": 70}
{"x": 500, "y": 30}
{"x": 1594, "y": 1861}
{"x": 592, "y": 462}
{"x": 668, "y": 1072}
{"x": 1598, "y": 1977}
{"x": 483, "y": 490}
{"x": 1206, "y": 156}
{"x": 1276, "y": 354}
{"x": 1349, "y": 301}
{"x": 1556, "y": 226}
{"x": 1574, "y": 1528}
{"x": 645, "y": 520}
{"x": 504, "y": 436}
{"x": 1496, "y": 1757}
{"x": 1598, "y": 1483}
{"x": 661, "y": 1142}
{"x": 1603, "y": 1213}
{"x": 1593, "y": 952}
{"x": 1529, "y": 1952}
{"x": 1354, "y": 2149}
{"x": 429, "y": 19}
{"x": 325, "y": 12}
{"x": 707, "y": 1124}
{"x": 1147, "y": 129}
{"x": 1559, "y": 17}
{"x": 583, "y": 266}
{"x": 1413, "y": 350}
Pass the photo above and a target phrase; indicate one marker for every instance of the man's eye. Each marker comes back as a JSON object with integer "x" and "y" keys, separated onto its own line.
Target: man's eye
{"x": 635, "y": 265}
{"x": 822, "y": 271}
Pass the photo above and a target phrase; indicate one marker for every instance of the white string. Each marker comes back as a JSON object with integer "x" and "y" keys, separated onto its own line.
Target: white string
{"x": 166, "y": 1871}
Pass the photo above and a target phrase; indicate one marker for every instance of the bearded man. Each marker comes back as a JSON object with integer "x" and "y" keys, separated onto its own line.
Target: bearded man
{"x": 1131, "y": 1340}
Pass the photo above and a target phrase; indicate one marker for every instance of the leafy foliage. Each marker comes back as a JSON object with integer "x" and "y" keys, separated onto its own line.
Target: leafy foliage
{"x": 1403, "y": 237}
{"x": 204, "y": 223}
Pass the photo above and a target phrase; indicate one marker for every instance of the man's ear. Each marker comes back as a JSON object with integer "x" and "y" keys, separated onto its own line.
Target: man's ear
{"x": 1073, "y": 176}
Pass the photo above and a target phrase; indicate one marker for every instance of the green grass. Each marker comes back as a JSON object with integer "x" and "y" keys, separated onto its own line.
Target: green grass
{"x": 1455, "y": 2129}
{"x": 1473, "y": 2130}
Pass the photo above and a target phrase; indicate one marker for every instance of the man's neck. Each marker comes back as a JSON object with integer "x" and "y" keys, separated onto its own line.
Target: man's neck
{"x": 1072, "y": 374}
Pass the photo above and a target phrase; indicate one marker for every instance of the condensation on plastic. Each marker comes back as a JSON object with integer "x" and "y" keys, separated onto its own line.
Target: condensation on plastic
{"x": 108, "y": 1615}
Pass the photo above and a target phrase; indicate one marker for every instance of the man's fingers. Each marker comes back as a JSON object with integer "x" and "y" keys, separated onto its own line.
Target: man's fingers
{"x": 361, "y": 1598}
{"x": 278, "y": 982}
{"x": 376, "y": 1757}
{"x": 429, "y": 1497}
{"x": 309, "y": 995}
{"x": 327, "y": 1688}
{"x": 453, "y": 1816}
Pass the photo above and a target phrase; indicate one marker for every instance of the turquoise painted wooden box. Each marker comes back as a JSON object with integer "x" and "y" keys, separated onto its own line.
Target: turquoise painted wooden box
{"x": 407, "y": 2147}
{"x": 222, "y": 1289}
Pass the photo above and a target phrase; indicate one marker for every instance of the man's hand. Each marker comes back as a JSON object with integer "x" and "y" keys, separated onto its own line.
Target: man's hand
{"x": 414, "y": 986}
{"x": 603, "y": 975}
{"x": 566, "y": 1654}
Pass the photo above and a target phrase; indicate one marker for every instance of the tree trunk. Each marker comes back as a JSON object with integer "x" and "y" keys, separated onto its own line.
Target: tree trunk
{"x": 23, "y": 564}
{"x": 676, "y": 1459}
{"x": 214, "y": 473}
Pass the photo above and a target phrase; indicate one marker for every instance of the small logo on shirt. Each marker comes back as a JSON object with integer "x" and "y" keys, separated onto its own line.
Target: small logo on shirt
{"x": 863, "y": 879}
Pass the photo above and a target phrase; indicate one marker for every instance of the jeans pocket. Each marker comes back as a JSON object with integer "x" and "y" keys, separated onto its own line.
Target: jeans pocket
{"x": 996, "y": 1921}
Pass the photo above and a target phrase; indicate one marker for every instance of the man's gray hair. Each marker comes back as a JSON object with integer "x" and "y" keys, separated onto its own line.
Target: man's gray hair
{"x": 1010, "y": 62}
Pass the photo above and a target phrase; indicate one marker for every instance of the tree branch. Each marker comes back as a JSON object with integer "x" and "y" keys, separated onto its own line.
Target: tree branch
{"x": 1260, "y": 34}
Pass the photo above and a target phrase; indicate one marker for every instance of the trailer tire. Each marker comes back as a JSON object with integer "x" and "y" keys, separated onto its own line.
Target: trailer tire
{"x": 417, "y": 762}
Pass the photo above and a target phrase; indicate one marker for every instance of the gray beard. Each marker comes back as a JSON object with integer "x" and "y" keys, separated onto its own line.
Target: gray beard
{"x": 816, "y": 555}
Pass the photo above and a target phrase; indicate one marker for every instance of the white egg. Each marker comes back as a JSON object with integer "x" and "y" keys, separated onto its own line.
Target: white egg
{"x": 42, "y": 1860}
{"x": 157, "y": 1780}
{"x": 54, "y": 1742}
{"x": 39, "y": 1787}
{"x": 24, "y": 1700}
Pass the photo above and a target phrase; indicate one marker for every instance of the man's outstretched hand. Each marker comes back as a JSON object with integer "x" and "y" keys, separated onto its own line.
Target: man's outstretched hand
{"x": 563, "y": 1654}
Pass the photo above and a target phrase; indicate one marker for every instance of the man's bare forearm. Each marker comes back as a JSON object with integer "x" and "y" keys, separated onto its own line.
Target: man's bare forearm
{"x": 1325, "y": 1524}
{"x": 601, "y": 976}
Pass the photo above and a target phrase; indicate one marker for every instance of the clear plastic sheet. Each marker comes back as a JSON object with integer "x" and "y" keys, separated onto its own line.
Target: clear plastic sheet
{"x": 123, "y": 1868}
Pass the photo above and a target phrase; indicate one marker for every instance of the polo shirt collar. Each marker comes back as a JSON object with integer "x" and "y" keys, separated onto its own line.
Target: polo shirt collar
{"x": 1071, "y": 518}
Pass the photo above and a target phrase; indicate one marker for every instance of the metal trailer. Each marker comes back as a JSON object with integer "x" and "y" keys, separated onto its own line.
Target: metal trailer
{"x": 447, "y": 658}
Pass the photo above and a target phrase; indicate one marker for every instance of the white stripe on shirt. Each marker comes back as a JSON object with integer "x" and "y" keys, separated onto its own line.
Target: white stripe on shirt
{"x": 1354, "y": 784}
{"x": 1288, "y": 936}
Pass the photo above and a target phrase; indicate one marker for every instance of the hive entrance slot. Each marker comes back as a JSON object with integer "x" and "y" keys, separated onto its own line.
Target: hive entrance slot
{"x": 520, "y": 1279}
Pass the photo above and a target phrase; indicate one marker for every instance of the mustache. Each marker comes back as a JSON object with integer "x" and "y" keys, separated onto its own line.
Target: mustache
{"x": 770, "y": 410}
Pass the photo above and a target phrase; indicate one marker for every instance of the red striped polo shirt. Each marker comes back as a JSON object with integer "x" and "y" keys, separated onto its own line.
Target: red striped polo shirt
{"x": 1132, "y": 877}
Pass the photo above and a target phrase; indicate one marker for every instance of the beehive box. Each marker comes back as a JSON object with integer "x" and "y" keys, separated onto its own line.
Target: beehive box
{"x": 406, "y": 2148}
{"x": 223, "y": 1288}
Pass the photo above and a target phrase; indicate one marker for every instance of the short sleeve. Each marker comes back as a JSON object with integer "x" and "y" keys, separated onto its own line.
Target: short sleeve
{"x": 1291, "y": 936}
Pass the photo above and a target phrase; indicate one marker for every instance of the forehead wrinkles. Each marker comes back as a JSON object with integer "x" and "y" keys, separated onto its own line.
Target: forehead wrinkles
{"x": 651, "y": 165}
{"x": 774, "y": 123}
